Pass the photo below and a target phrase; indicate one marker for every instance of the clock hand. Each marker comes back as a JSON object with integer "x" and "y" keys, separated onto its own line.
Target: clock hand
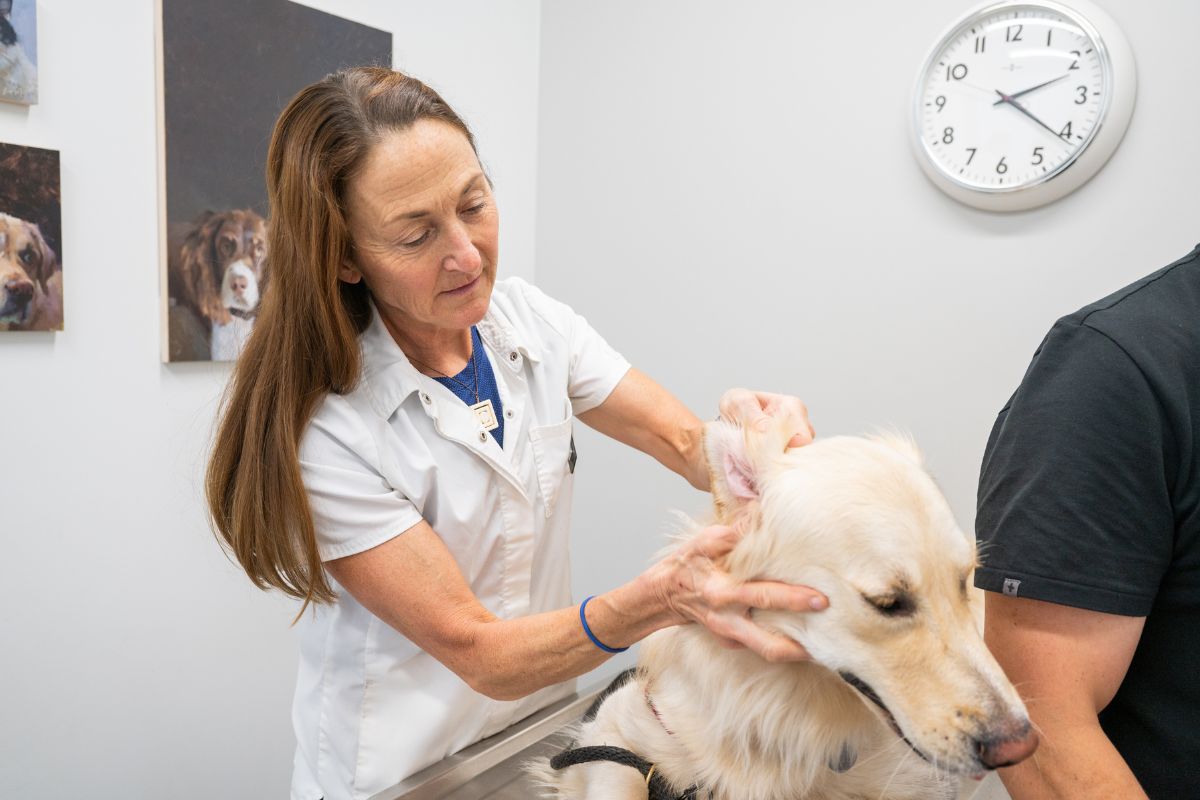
{"x": 1027, "y": 91}
{"x": 974, "y": 87}
{"x": 1005, "y": 98}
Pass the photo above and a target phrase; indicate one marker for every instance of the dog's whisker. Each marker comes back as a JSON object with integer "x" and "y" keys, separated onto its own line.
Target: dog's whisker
{"x": 883, "y": 751}
{"x": 888, "y": 785}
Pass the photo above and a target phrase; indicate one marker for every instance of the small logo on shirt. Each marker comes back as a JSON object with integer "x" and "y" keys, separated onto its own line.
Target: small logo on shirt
{"x": 1011, "y": 585}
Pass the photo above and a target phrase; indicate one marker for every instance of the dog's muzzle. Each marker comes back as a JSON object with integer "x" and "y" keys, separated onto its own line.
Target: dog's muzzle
{"x": 18, "y": 295}
{"x": 864, "y": 688}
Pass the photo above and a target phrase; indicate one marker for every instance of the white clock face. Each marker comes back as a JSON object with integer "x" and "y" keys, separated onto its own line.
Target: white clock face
{"x": 1011, "y": 97}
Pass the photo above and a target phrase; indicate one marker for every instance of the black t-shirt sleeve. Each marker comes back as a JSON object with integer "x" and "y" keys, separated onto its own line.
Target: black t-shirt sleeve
{"x": 1074, "y": 503}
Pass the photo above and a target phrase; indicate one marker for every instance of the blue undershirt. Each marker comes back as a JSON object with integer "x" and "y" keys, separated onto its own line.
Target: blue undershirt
{"x": 463, "y": 384}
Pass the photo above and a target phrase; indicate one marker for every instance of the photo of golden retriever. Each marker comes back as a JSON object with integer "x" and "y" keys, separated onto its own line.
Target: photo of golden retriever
{"x": 901, "y": 699}
{"x": 201, "y": 259}
{"x": 30, "y": 279}
{"x": 31, "y": 284}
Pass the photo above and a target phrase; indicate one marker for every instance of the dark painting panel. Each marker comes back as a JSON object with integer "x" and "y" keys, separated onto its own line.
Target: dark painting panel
{"x": 229, "y": 67}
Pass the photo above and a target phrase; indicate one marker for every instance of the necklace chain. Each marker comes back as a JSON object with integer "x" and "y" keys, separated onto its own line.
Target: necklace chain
{"x": 471, "y": 362}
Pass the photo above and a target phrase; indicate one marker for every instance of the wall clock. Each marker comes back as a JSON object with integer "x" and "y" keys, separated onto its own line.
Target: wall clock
{"x": 1019, "y": 103}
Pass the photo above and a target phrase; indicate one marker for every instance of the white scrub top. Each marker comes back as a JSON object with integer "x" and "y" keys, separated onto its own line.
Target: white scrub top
{"x": 371, "y": 708}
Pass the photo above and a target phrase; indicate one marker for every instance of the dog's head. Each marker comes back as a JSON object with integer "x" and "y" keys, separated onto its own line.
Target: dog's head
{"x": 26, "y": 265}
{"x": 215, "y": 243}
{"x": 862, "y": 521}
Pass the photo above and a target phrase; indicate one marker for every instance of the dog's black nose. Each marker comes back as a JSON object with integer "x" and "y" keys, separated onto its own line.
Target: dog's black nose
{"x": 20, "y": 292}
{"x": 1010, "y": 743}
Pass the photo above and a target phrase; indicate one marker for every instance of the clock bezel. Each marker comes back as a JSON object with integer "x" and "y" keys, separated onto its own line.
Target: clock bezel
{"x": 1120, "y": 77}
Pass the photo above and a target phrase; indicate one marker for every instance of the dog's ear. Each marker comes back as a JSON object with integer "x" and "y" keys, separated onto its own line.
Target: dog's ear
{"x": 739, "y": 459}
{"x": 48, "y": 263}
{"x": 730, "y": 473}
{"x": 197, "y": 260}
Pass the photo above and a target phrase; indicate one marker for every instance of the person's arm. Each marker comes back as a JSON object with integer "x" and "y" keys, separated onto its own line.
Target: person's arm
{"x": 644, "y": 415}
{"x": 1068, "y": 664}
{"x": 413, "y": 583}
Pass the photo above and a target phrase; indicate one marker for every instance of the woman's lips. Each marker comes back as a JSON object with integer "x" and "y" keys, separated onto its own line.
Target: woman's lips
{"x": 463, "y": 289}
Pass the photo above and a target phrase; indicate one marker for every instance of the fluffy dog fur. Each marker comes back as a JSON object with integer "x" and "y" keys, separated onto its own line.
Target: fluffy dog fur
{"x": 901, "y": 696}
{"x": 30, "y": 279}
{"x": 18, "y": 75}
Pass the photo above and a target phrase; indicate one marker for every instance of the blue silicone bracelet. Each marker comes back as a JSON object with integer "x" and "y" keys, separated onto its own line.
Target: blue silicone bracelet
{"x": 592, "y": 636}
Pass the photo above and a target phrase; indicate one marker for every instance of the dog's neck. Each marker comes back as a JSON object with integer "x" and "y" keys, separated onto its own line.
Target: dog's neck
{"x": 731, "y": 720}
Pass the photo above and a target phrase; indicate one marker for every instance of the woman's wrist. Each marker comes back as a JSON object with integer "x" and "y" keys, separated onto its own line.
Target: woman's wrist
{"x": 695, "y": 457}
{"x": 633, "y": 611}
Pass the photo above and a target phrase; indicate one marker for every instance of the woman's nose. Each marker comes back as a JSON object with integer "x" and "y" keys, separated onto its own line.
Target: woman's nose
{"x": 463, "y": 255}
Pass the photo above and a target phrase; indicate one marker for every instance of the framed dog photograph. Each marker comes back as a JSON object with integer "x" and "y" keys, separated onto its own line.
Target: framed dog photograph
{"x": 226, "y": 70}
{"x": 31, "y": 288}
{"x": 18, "y": 51}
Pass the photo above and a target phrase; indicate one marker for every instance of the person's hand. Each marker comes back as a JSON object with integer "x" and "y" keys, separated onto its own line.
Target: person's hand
{"x": 754, "y": 410}
{"x": 696, "y": 589}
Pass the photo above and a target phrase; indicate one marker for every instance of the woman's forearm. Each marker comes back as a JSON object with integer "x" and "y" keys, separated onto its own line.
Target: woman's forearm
{"x": 644, "y": 415}
{"x": 502, "y": 652}
{"x": 413, "y": 583}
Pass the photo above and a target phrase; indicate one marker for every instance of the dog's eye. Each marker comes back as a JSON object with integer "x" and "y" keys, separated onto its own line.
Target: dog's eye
{"x": 900, "y": 604}
{"x": 26, "y": 256}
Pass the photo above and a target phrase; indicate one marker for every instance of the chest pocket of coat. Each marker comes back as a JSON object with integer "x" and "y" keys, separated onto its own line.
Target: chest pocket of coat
{"x": 553, "y": 453}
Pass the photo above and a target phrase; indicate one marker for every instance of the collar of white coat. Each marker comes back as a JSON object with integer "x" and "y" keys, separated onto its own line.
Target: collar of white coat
{"x": 390, "y": 377}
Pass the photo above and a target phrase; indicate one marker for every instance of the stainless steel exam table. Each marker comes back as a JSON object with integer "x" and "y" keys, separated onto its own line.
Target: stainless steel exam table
{"x": 491, "y": 769}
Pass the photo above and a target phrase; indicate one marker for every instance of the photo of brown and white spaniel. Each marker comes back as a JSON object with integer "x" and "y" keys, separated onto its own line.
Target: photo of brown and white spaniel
{"x": 204, "y": 284}
{"x": 30, "y": 279}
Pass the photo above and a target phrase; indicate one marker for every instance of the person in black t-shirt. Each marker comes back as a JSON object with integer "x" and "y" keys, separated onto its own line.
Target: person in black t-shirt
{"x": 1089, "y": 529}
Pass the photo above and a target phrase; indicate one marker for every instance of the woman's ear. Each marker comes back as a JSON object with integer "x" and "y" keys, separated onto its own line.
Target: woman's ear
{"x": 348, "y": 273}
{"x": 732, "y": 476}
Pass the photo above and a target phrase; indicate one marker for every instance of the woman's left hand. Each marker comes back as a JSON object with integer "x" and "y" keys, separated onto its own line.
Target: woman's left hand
{"x": 752, "y": 409}
{"x": 693, "y": 588}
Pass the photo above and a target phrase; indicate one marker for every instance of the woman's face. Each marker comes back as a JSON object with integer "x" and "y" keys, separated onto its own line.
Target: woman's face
{"x": 424, "y": 228}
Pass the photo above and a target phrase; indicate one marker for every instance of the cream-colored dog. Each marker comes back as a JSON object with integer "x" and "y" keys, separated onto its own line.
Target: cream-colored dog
{"x": 901, "y": 696}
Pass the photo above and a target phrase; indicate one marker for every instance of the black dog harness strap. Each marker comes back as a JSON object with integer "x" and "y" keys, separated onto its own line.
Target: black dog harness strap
{"x": 656, "y": 785}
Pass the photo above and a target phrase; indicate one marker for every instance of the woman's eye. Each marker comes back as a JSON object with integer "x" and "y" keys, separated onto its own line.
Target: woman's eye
{"x": 475, "y": 209}
{"x": 420, "y": 240}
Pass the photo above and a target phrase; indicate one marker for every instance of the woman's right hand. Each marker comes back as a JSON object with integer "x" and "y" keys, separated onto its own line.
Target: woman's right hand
{"x": 695, "y": 589}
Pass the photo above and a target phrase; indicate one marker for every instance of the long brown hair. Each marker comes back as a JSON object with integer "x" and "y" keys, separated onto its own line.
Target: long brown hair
{"x": 305, "y": 341}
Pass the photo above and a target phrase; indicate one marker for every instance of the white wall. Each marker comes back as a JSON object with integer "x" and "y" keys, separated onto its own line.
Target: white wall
{"x": 727, "y": 192}
{"x": 135, "y": 661}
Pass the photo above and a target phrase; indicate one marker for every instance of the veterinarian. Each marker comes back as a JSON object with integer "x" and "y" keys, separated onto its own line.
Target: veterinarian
{"x": 396, "y": 450}
{"x": 1089, "y": 518}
